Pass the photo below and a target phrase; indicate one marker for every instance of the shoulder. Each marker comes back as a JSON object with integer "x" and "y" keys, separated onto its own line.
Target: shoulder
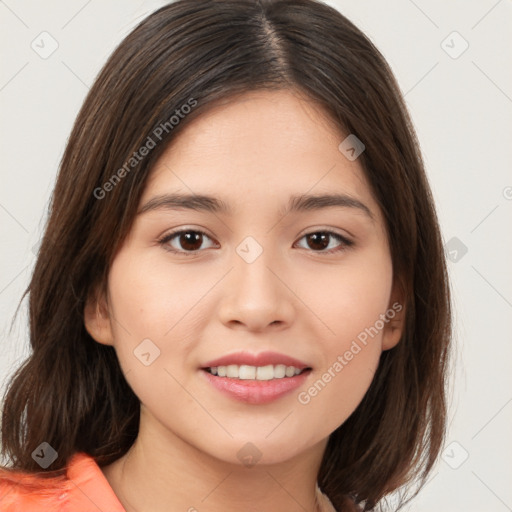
{"x": 20, "y": 492}
{"x": 82, "y": 489}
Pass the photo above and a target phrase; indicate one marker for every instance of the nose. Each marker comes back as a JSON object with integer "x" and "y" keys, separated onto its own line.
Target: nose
{"x": 257, "y": 296}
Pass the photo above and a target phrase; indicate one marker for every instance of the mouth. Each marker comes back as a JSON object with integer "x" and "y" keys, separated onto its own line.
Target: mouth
{"x": 261, "y": 373}
{"x": 256, "y": 385}
{"x": 256, "y": 379}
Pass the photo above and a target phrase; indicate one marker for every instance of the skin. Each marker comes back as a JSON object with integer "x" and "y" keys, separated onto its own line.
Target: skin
{"x": 253, "y": 153}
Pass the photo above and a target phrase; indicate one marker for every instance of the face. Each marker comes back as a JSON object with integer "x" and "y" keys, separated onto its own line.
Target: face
{"x": 253, "y": 280}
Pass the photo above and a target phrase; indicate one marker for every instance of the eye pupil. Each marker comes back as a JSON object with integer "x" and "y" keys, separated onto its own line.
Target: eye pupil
{"x": 190, "y": 238}
{"x": 316, "y": 237}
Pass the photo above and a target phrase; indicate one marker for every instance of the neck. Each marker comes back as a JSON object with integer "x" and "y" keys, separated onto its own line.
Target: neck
{"x": 159, "y": 473}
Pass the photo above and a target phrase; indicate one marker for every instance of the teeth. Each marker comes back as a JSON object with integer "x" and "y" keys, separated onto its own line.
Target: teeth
{"x": 246, "y": 372}
{"x": 265, "y": 372}
{"x": 232, "y": 371}
{"x": 280, "y": 371}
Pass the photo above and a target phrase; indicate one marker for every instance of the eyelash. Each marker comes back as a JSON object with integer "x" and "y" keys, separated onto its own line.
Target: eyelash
{"x": 345, "y": 243}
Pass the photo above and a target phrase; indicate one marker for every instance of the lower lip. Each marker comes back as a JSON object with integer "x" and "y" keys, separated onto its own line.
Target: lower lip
{"x": 256, "y": 392}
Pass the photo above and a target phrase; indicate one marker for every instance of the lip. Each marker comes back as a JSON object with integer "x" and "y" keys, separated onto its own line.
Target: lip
{"x": 255, "y": 392}
{"x": 261, "y": 359}
{"x": 252, "y": 391}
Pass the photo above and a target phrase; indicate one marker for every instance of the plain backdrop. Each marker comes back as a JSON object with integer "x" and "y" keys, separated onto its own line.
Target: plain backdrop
{"x": 452, "y": 61}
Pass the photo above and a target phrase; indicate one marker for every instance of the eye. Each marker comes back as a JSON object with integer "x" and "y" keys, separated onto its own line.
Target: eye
{"x": 321, "y": 240}
{"x": 190, "y": 241}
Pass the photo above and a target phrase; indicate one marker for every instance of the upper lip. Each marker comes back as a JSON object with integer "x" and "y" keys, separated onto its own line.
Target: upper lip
{"x": 261, "y": 359}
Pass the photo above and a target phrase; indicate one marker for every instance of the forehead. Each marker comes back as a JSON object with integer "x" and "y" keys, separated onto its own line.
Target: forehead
{"x": 264, "y": 147}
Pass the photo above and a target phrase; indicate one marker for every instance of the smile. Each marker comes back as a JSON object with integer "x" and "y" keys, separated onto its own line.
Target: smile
{"x": 247, "y": 372}
{"x": 255, "y": 385}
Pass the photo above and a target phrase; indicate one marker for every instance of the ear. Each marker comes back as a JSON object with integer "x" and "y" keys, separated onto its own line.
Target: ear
{"x": 395, "y": 317}
{"x": 97, "y": 317}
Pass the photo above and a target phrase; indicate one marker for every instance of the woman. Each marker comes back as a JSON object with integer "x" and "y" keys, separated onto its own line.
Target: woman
{"x": 241, "y": 299}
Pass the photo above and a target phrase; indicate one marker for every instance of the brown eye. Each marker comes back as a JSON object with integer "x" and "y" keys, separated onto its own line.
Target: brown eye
{"x": 184, "y": 241}
{"x": 191, "y": 240}
{"x": 319, "y": 241}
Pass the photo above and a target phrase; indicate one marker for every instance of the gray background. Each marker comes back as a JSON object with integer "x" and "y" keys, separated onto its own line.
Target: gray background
{"x": 461, "y": 103}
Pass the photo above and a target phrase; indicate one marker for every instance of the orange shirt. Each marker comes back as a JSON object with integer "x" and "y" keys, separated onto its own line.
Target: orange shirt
{"x": 84, "y": 489}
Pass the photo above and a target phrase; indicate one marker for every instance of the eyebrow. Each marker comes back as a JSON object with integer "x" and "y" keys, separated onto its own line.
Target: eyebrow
{"x": 296, "y": 203}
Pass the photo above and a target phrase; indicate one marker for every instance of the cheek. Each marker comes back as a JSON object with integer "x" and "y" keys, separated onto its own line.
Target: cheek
{"x": 350, "y": 357}
{"x": 335, "y": 391}
{"x": 348, "y": 302}
{"x": 351, "y": 308}
{"x": 153, "y": 298}
{"x": 149, "y": 304}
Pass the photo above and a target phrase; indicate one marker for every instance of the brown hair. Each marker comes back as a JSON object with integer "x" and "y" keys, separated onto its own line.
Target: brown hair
{"x": 71, "y": 391}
